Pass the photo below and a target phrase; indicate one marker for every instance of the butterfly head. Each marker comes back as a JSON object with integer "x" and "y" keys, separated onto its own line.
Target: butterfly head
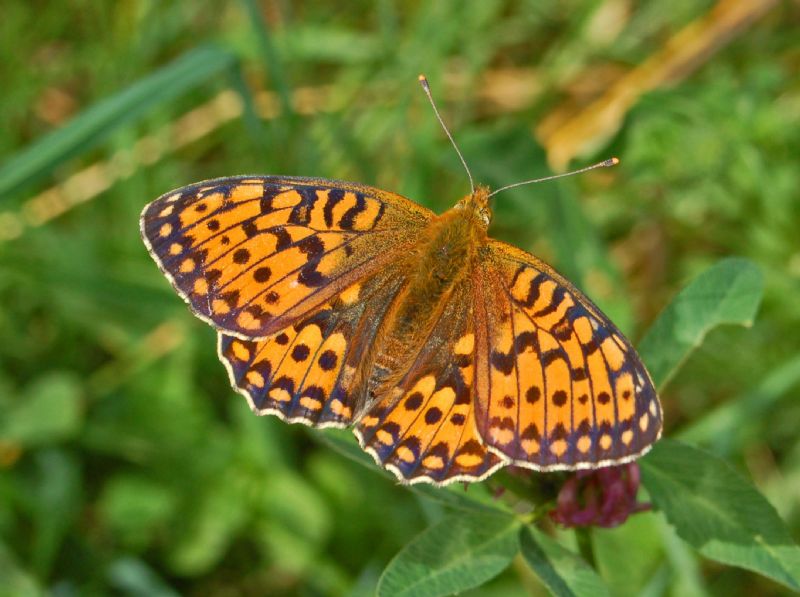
{"x": 476, "y": 204}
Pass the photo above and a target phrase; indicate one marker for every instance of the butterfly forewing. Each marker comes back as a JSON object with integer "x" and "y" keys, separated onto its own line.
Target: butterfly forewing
{"x": 309, "y": 372}
{"x": 423, "y": 428}
{"x": 252, "y": 254}
{"x": 559, "y": 386}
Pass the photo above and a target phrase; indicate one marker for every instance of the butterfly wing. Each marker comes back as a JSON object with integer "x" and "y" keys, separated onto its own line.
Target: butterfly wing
{"x": 559, "y": 387}
{"x": 423, "y": 428}
{"x": 309, "y": 372}
{"x": 252, "y": 254}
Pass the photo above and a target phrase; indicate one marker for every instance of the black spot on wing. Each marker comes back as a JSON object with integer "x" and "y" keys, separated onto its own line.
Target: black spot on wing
{"x": 250, "y": 229}
{"x": 559, "y": 398}
{"x": 328, "y": 360}
{"x": 241, "y": 256}
{"x": 433, "y": 415}
{"x": 413, "y": 402}
{"x": 262, "y": 274}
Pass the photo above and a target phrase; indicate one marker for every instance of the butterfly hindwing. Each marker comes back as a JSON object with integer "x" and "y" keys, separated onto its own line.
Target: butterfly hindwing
{"x": 309, "y": 371}
{"x": 559, "y": 386}
{"x": 423, "y": 428}
{"x": 252, "y": 254}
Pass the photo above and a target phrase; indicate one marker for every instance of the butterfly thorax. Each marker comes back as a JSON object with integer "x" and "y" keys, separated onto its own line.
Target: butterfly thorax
{"x": 442, "y": 259}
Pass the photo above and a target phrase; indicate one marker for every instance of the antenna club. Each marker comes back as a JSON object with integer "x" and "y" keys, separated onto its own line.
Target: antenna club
{"x": 611, "y": 162}
{"x": 423, "y": 80}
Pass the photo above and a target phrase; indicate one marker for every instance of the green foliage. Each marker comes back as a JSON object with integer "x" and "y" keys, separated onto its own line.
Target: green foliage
{"x": 715, "y": 510}
{"x": 97, "y": 122}
{"x": 127, "y": 465}
{"x": 563, "y": 572}
{"x": 633, "y": 556}
{"x": 459, "y": 552}
{"x": 730, "y": 292}
{"x": 134, "y": 577}
{"x": 49, "y": 411}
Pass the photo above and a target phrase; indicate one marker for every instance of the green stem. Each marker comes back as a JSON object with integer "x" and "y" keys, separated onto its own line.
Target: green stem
{"x": 583, "y": 536}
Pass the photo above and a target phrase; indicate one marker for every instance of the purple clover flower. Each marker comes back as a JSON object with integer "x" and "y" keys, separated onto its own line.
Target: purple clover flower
{"x": 604, "y": 497}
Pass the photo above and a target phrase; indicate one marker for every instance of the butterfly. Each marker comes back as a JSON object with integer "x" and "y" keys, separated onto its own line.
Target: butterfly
{"x": 449, "y": 353}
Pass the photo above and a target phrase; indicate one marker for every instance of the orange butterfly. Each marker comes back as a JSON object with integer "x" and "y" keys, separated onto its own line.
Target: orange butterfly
{"x": 453, "y": 354}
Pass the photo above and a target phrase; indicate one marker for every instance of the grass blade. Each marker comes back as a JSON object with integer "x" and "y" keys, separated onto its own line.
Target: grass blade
{"x": 99, "y": 121}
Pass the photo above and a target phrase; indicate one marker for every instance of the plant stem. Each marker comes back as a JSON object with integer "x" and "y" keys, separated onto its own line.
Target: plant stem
{"x": 583, "y": 536}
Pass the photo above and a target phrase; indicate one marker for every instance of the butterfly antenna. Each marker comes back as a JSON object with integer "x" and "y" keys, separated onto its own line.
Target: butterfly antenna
{"x": 604, "y": 164}
{"x": 427, "y": 89}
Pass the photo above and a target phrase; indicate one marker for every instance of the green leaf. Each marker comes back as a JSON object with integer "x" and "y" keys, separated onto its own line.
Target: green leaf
{"x": 220, "y": 513}
{"x": 49, "y": 411}
{"x": 134, "y": 509}
{"x": 687, "y": 579}
{"x": 294, "y": 521}
{"x": 459, "y": 552}
{"x": 96, "y": 123}
{"x": 728, "y": 292}
{"x": 629, "y": 555}
{"x": 564, "y": 573}
{"x": 718, "y": 512}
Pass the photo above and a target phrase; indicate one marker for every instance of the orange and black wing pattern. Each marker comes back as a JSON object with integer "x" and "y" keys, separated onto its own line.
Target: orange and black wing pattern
{"x": 307, "y": 282}
{"x": 559, "y": 387}
{"x": 252, "y": 254}
{"x": 423, "y": 428}
{"x": 310, "y": 371}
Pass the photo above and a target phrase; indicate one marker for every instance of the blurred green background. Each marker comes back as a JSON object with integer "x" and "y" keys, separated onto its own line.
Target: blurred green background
{"x": 128, "y": 465}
